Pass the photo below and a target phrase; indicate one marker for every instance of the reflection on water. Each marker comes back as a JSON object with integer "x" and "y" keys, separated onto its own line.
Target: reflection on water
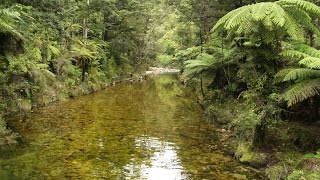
{"x": 148, "y": 130}
{"x": 162, "y": 163}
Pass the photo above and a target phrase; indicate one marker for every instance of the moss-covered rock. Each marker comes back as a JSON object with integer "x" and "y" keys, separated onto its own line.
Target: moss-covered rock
{"x": 276, "y": 172}
{"x": 246, "y": 154}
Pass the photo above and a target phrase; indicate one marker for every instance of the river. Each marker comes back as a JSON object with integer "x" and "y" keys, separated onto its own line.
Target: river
{"x": 148, "y": 130}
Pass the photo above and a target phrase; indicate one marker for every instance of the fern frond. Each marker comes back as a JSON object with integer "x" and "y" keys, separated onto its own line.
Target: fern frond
{"x": 302, "y": 91}
{"x": 238, "y": 17}
{"x": 291, "y": 74}
{"x": 306, "y": 79}
{"x": 7, "y": 17}
{"x": 303, "y": 18}
{"x": 292, "y": 26}
{"x": 314, "y": 65}
{"x": 261, "y": 7}
{"x": 307, "y": 50}
{"x": 281, "y": 74}
{"x": 277, "y": 14}
{"x": 54, "y": 50}
{"x": 310, "y": 62}
{"x": 222, "y": 21}
{"x": 203, "y": 62}
{"x": 294, "y": 54}
{"x": 305, "y": 5}
{"x": 268, "y": 24}
{"x": 9, "y": 13}
{"x": 246, "y": 26}
{"x": 290, "y": 18}
{"x": 235, "y": 14}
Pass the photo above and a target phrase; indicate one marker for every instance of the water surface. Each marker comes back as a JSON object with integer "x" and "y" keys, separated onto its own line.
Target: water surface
{"x": 150, "y": 130}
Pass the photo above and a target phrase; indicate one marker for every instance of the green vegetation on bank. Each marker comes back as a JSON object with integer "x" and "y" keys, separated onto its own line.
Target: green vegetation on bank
{"x": 254, "y": 65}
{"x": 53, "y": 50}
{"x": 256, "y": 75}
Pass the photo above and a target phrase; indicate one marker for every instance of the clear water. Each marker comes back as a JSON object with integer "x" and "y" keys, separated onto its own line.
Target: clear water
{"x": 150, "y": 130}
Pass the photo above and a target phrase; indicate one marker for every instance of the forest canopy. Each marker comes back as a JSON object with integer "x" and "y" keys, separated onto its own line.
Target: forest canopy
{"x": 259, "y": 61}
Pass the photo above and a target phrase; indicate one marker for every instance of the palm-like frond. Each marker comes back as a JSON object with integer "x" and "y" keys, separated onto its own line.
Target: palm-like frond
{"x": 307, "y": 50}
{"x": 85, "y": 51}
{"x": 270, "y": 14}
{"x": 311, "y": 62}
{"x": 302, "y": 91}
{"x": 203, "y": 62}
{"x": 302, "y": 52}
{"x": 292, "y": 74}
{"x": 293, "y": 54}
{"x": 303, "y": 18}
{"x": 237, "y": 17}
{"x": 285, "y": 16}
{"x": 7, "y": 19}
{"x": 304, "y": 5}
{"x": 306, "y": 78}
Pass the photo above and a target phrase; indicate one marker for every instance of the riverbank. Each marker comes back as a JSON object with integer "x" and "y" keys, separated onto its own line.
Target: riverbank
{"x": 289, "y": 150}
{"x": 132, "y": 130}
{"x": 58, "y": 90}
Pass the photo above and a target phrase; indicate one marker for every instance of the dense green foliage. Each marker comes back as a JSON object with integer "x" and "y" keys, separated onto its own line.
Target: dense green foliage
{"x": 258, "y": 61}
{"x": 52, "y": 50}
{"x": 257, "y": 67}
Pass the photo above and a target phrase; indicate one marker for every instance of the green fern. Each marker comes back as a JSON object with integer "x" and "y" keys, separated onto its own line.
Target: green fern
{"x": 203, "y": 62}
{"x": 307, "y": 50}
{"x": 293, "y": 54}
{"x": 292, "y": 74}
{"x": 304, "y": 5}
{"x": 301, "y": 91}
{"x": 286, "y": 18}
{"x": 85, "y": 51}
{"x": 310, "y": 62}
{"x": 8, "y": 18}
{"x": 306, "y": 78}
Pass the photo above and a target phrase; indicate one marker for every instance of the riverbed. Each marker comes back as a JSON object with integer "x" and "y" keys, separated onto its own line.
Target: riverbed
{"x": 145, "y": 130}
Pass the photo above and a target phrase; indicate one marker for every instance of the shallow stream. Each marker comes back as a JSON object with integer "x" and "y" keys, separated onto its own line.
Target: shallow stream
{"x": 149, "y": 130}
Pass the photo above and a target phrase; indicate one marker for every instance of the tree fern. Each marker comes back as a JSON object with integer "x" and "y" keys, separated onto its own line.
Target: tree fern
{"x": 8, "y": 18}
{"x": 293, "y": 54}
{"x": 311, "y": 62}
{"x": 305, "y": 79}
{"x": 85, "y": 51}
{"x": 307, "y": 50}
{"x": 301, "y": 91}
{"x": 292, "y": 74}
{"x": 286, "y": 18}
{"x": 203, "y": 62}
{"x": 304, "y": 5}
{"x": 237, "y": 17}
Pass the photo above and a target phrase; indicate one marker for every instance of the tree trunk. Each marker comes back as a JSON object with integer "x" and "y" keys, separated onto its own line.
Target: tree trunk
{"x": 313, "y": 36}
{"x": 201, "y": 41}
{"x": 201, "y": 88}
{"x": 85, "y": 37}
{"x": 84, "y": 68}
{"x": 83, "y": 72}
{"x": 85, "y": 30}
{"x": 260, "y": 131}
{"x": 314, "y": 114}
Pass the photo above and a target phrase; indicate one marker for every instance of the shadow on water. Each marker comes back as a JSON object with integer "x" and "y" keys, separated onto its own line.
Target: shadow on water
{"x": 149, "y": 130}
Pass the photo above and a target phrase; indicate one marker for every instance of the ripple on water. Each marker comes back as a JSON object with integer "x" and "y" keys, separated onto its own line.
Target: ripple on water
{"x": 162, "y": 163}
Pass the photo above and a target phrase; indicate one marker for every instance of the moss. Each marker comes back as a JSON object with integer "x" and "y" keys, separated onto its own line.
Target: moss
{"x": 7, "y": 137}
{"x": 276, "y": 172}
{"x": 302, "y": 174}
{"x": 246, "y": 154}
